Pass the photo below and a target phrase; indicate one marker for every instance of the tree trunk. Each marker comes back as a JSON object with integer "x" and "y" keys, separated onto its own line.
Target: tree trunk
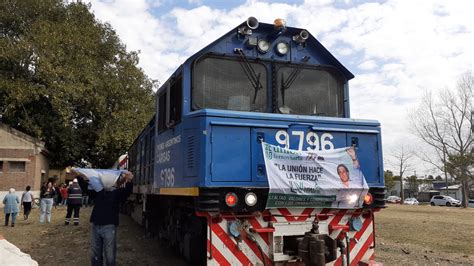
{"x": 445, "y": 171}
{"x": 465, "y": 193}
{"x": 402, "y": 193}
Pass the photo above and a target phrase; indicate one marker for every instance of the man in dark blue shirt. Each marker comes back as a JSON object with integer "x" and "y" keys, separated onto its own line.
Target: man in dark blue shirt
{"x": 105, "y": 217}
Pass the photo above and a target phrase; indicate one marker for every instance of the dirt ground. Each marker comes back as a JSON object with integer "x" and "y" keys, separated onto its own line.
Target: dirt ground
{"x": 406, "y": 235}
{"x": 425, "y": 235}
{"x": 57, "y": 244}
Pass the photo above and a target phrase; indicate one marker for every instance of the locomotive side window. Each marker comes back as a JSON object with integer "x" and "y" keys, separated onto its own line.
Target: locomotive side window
{"x": 162, "y": 112}
{"x": 175, "y": 101}
{"x": 223, "y": 84}
{"x": 308, "y": 91}
{"x": 170, "y": 104}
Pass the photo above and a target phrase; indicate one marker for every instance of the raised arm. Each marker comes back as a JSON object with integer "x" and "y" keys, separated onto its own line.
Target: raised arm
{"x": 352, "y": 154}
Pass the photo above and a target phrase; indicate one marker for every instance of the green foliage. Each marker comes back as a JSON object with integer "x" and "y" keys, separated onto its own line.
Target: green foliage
{"x": 389, "y": 180}
{"x": 461, "y": 166}
{"x": 67, "y": 79}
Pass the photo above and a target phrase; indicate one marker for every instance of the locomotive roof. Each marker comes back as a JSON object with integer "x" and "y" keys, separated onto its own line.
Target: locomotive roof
{"x": 318, "y": 54}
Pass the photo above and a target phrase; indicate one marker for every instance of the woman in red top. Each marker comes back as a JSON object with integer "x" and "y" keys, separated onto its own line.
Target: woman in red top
{"x": 63, "y": 191}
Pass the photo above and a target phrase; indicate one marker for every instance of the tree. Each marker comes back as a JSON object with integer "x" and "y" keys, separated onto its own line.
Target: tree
{"x": 389, "y": 180}
{"x": 445, "y": 123}
{"x": 462, "y": 167}
{"x": 401, "y": 160}
{"x": 412, "y": 185}
{"x": 67, "y": 79}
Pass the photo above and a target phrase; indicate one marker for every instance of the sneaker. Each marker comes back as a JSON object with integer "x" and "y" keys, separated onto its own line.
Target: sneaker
{"x": 13, "y": 225}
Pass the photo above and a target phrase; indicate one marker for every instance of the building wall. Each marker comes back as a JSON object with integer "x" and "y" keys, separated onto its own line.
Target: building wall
{"x": 19, "y": 147}
{"x": 41, "y": 171}
{"x": 395, "y": 191}
{"x": 17, "y": 180}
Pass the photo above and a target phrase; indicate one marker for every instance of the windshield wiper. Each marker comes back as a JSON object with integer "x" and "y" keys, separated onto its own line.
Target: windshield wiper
{"x": 291, "y": 78}
{"x": 249, "y": 71}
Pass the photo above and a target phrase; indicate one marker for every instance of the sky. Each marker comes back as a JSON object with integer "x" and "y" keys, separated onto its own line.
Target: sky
{"x": 396, "y": 49}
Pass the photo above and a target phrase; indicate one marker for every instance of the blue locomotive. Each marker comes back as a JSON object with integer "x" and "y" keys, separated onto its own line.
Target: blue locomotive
{"x": 200, "y": 177}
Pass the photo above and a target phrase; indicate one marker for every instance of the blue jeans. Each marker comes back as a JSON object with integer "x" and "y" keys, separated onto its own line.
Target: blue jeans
{"x": 46, "y": 206}
{"x": 104, "y": 240}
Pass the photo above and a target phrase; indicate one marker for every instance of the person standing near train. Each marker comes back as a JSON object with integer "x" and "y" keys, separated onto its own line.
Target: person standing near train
{"x": 105, "y": 217}
{"x": 47, "y": 194}
{"x": 27, "y": 199}
{"x": 11, "y": 202}
{"x": 74, "y": 202}
{"x": 63, "y": 191}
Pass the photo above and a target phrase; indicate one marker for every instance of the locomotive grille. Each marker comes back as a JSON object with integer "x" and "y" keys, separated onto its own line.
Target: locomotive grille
{"x": 190, "y": 155}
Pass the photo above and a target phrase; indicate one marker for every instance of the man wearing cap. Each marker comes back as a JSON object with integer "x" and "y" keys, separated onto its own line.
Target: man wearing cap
{"x": 74, "y": 202}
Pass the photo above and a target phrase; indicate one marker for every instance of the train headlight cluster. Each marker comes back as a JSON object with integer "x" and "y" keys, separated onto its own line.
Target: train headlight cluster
{"x": 250, "y": 199}
{"x": 282, "y": 48}
{"x": 263, "y": 46}
{"x": 264, "y": 42}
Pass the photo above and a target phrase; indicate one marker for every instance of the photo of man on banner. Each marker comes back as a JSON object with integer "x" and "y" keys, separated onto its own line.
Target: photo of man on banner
{"x": 342, "y": 169}
{"x": 331, "y": 178}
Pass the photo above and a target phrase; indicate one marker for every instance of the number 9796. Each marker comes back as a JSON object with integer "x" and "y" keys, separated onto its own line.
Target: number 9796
{"x": 312, "y": 139}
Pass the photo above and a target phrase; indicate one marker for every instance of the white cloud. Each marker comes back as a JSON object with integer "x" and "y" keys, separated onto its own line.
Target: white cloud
{"x": 368, "y": 65}
{"x": 400, "y": 47}
{"x": 195, "y": 2}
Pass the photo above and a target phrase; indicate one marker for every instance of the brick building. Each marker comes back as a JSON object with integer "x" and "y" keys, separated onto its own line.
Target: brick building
{"x": 23, "y": 161}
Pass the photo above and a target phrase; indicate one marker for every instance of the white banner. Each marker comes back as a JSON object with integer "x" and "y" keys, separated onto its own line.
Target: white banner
{"x": 99, "y": 178}
{"x": 326, "y": 179}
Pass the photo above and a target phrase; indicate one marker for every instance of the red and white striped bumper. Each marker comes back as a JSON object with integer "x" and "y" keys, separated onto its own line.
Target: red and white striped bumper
{"x": 263, "y": 233}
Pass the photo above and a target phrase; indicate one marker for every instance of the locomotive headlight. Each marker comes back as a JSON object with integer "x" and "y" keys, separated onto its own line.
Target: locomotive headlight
{"x": 250, "y": 199}
{"x": 263, "y": 46}
{"x": 368, "y": 199}
{"x": 282, "y": 48}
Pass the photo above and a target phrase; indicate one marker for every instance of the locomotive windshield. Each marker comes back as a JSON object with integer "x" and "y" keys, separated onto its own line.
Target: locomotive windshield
{"x": 224, "y": 84}
{"x": 309, "y": 92}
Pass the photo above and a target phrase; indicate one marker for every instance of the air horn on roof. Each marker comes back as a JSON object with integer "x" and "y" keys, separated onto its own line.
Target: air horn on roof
{"x": 251, "y": 24}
